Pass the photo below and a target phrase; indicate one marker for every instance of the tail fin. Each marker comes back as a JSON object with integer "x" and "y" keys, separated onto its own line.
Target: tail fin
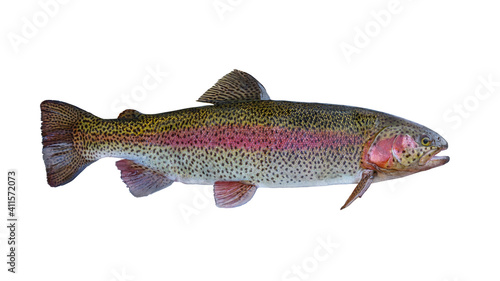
{"x": 62, "y": 161}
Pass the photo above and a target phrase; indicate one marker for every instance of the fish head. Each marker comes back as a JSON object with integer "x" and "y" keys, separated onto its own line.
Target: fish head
{"x": 405, "y": 149}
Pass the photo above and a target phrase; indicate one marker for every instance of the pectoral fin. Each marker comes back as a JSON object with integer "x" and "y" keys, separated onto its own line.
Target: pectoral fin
{"x": 361, "y": 188}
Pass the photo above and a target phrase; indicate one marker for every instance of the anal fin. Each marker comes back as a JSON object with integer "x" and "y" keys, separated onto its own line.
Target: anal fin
{"x": 230, "y": 194}
{"x": 141, "y": 180}
{"x": 361, "y": 188}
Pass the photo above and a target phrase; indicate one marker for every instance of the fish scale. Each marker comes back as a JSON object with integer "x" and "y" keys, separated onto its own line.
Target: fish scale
{"x": 241, "y": 142}
{"x": 257, "y": 148}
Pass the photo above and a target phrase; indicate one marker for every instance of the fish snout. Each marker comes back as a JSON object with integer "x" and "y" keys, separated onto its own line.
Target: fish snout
{"x": 442, "y": 143}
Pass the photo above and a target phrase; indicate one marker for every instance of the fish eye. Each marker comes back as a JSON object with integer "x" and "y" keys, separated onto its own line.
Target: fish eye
{"x": 425, "y": 141}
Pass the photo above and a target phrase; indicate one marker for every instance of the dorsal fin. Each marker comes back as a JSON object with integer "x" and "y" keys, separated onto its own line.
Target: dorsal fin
{"x": 129, "y": 114}
{"x": 235, "y": 86}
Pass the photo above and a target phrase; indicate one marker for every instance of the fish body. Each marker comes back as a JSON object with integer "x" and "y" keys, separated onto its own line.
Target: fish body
{"x": 241, "y": 142}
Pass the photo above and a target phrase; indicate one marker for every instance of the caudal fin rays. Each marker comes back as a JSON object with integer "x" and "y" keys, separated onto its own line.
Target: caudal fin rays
{"x": 62, "y": 160}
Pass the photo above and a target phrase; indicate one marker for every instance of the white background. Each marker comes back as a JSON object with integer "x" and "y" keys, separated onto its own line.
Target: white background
{"x": 424, "y": 63}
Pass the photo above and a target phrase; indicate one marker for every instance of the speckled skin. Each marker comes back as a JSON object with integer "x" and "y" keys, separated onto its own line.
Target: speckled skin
{"x": 241, "y": 142}
{"x": 268, "y": 143}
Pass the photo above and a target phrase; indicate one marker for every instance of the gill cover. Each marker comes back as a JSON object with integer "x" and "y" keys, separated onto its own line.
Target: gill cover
{"x": 392, "y": 148}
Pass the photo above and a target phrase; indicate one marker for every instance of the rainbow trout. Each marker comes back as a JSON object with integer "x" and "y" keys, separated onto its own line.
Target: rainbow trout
{"x": 242, "y": 141}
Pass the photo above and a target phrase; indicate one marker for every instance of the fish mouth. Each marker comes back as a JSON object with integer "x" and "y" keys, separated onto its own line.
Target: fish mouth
{"x": 431, "y": 160}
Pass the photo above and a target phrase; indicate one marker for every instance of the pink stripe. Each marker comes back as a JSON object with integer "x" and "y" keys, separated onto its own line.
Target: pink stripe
{"x": 254, "y": 138}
